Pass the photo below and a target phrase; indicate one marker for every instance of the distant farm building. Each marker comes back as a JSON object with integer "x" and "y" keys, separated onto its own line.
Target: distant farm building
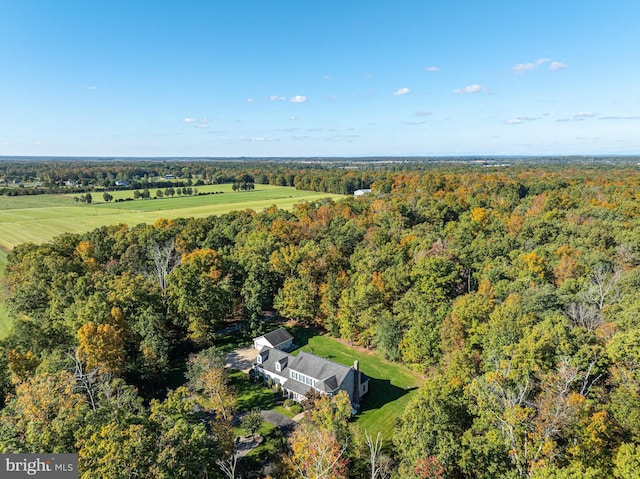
{"x": 362, "y": 192}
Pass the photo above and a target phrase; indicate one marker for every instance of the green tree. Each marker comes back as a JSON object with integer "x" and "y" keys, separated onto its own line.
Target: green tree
{"x": 252, "y": 421}
{"x": 433, "y": 424}
{"x": 208, "y": 378}
{"x": 200, "y": 292}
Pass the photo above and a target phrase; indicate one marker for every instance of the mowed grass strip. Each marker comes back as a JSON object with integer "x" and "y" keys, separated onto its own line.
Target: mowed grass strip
{"x": 35, "y": 222}
{"x": 390, "y": 388}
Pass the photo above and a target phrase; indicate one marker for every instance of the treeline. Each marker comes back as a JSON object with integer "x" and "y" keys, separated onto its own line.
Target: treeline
{"x": 516, "y": 293}
{"x": 88, "y": 176}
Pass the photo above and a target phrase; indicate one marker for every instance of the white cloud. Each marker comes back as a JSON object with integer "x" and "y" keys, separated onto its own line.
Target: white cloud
{"x": 293, "y": 118}
{"x": 326, "y": 77}
{"x": 525, "y": 67}
{"x": 401, "y": 91}
{"x": 584, "y": 114}
{"x": 189, "y": 120}
{"x": 432, "y": 69}
{"x": 90, "y": 87}
{"x": 421, "y": 122}
{"x": 619, "y": 118}
{"x": 298, "y": 99}
{"x": 475, "y": 88}
{"x": 514, "y": 121}
{"x": 258, "y": 138}
{"x": 521, "y": 68}
{"x": 422, "y": 114}
{"x": 202, "y": 125}
{"x": 555, "y": 66}
{"x": 277, "y": 98}
{"x": 250, "y": 100}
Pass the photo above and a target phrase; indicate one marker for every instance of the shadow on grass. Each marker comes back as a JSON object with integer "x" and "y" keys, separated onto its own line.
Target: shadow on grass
{"x": 250, "y": 395}
{"x": 381, "y": 392}
{"x": 301, "y": 335}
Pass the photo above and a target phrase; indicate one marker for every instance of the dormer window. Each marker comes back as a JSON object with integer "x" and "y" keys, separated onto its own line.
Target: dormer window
{"x": 259, "y": 359}
{"x": 278, "y": 367}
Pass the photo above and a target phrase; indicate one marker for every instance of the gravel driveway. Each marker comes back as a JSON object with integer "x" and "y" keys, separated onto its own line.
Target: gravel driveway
{"x": 240, "y": 359}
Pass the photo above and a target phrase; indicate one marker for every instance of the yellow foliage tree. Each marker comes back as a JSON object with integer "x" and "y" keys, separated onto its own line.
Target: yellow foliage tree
{"x": 101, "y": 346}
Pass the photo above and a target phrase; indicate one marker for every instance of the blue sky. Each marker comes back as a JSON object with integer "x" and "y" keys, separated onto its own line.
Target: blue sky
{"x": 319, "y": 78}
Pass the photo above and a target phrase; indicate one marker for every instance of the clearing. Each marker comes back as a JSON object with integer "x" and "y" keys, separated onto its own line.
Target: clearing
{"x": 390, "y": 388}
{"x": 40, "y": 218}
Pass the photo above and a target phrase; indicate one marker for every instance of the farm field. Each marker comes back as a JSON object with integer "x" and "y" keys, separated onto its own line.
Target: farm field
{"x": 390, "y": 388}
{"x": 40, "y": 218}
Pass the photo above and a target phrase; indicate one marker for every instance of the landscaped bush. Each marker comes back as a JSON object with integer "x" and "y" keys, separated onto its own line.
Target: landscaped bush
{"x": 288, "y": 403}
{"x": 296, "y": 408}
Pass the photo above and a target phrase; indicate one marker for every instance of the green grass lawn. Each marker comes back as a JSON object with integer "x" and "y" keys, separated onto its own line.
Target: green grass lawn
{"x": 5, "y": 319}
{"x": 250, "y": 395}
{"x": 390, "y": 388}
{"x": 40, "y": 218}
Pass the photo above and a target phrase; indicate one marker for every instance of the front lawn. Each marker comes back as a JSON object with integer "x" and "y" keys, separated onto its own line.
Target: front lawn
{"x": 250, "y": 395}
{"x": 390, "y": 388}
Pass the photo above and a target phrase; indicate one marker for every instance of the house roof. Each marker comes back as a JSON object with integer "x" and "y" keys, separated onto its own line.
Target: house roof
{"x": 296, "y": 386}
{"x": 278, "y": 336}
{"x": 328, "y": 374}
{"x": 319, "y": 368}
{"x": 272, "y": 356}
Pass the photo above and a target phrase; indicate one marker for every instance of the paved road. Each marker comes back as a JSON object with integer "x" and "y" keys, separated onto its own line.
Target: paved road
{"x": 278, "y": 419}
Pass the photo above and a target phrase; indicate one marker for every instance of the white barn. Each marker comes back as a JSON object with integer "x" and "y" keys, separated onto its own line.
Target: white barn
{"x": 278, "y": 339}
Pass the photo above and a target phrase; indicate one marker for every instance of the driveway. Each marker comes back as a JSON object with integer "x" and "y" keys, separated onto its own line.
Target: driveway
{"x": 240, "y": 359}
{"x": 279, "y": 420}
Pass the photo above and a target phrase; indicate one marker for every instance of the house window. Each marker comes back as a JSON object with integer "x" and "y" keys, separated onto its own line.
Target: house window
{"x": 259, "y": 359}
{"x": 278, "y": 368}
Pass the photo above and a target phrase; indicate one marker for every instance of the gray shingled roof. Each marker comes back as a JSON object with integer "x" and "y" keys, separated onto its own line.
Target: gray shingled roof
{"x": 328, "y": 373}
{"x": 319, "y": 368}
{"x": 296, "y": 386}
{"x": 271, "y": 357}
{"x": 278, "y": 336}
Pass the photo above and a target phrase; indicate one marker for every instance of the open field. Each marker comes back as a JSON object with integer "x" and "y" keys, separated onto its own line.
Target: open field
{"x": 390, "y": 388}
{"x": 40, "y": 218}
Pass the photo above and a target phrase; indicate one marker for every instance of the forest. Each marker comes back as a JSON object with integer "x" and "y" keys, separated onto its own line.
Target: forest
{"x": 513, "y": 291}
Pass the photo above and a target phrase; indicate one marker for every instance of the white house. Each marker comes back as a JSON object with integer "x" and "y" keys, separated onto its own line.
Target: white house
{"x": 298, "y": 374}
{"x": 278, "y": 339}
{"x": 362, "y": 192}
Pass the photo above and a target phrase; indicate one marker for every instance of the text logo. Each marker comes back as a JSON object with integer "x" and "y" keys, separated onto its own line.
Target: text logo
{"x": 46, "y": 466}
